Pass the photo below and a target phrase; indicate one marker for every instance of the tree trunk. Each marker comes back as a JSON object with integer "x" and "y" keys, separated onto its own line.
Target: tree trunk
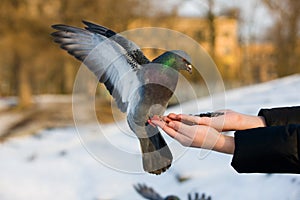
{"x": 69, "y": 71}
{"x": 24, "y": 86}
{"x": 212, "y": 30}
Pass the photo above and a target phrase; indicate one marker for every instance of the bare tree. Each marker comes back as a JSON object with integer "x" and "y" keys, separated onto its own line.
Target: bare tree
{"x": 30, "y": 62}
{"x": 15, "y": 37}
{"x": 285, "y": 34}
{"x": 211, "y": 25}
{"x": 210, "y": 16}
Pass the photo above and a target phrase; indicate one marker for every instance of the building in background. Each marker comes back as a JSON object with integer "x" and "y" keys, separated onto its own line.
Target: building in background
{"x": 238, "y": 63}
{"x": 260, "y": 61}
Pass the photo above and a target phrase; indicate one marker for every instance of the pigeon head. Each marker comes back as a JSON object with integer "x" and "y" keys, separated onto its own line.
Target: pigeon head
{"x": 176, "y": 59}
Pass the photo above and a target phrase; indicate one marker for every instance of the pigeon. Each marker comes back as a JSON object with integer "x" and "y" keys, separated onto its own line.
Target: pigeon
{"x": 141, "y": 88}
{"x": 150, "y": 194}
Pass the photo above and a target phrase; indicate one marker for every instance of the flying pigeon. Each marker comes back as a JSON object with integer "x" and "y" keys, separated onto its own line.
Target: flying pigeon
{"x": 140, "y": 87}
{"x": 150, "y": 194}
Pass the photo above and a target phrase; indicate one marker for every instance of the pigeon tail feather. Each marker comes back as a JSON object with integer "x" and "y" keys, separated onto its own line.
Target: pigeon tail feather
{"x": 157, "y": 156}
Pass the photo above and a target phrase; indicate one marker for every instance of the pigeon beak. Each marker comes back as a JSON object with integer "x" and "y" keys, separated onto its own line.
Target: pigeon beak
{"x": 189, "y": 68}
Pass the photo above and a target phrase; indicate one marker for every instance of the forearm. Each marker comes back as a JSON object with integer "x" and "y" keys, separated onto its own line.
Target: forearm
{"x": 213, "y": 140}
{"x": 233, "y": 121}
{"x": 250, "y": 121}
{"x": 225, "y": 144}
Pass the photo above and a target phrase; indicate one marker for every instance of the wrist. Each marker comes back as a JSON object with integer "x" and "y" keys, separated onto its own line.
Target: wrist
{"x": 249, "y": 121}
{"x": 262, "y": 121}
{"x": 225, "y": 144}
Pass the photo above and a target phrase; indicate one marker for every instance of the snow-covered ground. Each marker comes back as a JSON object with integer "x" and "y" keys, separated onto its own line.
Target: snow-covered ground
{"x": 55, "y": 165}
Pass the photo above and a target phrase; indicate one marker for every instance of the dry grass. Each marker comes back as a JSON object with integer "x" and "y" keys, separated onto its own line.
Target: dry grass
{"x": 52, "y": 115}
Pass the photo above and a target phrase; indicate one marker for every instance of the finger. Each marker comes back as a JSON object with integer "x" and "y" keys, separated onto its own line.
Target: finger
{"x": 189, "y": 119}
{"x": 173, "y": 116}
{"x": 155, "y": 117}
{"x": 150, "y": 122}
{"x": 166, "y": 119}
{"x": 183, "y": 133}
{"x": 169, "y": 130}
{"x": 181, "y": 136}
{"x": 183, "y": 128}
{"x": 160, "y": 118}
{"x": 159, "y": 123}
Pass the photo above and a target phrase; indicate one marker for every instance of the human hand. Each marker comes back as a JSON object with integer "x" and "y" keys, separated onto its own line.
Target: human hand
{"x": 224, "y": 120}
{"x": 200, "y": 136}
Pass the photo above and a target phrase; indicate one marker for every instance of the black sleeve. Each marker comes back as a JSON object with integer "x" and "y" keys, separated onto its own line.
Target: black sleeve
{"x": 281, "y": 116}
{"x": 274, "y": 149}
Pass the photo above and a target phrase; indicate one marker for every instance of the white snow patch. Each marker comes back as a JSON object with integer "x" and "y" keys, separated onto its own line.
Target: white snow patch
{"x": 55, "y": 165}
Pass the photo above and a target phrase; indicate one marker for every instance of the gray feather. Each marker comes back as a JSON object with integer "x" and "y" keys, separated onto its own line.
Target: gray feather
{"x": 104, "y": 57}
{"x": 133, "y": 51}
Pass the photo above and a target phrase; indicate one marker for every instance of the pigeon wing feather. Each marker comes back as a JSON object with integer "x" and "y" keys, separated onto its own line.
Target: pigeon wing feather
{"x": 147, "y": 192}
{"x": 106, "y": 58}
{"x": 133, "y": 51}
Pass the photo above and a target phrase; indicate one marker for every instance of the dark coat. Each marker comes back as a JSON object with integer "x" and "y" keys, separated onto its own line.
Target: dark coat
{"x": 272, "y": 149}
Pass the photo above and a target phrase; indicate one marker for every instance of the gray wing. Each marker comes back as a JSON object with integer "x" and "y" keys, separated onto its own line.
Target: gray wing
{"x": 147, "y": 192}
{"x": 133, "y": 51}
{"x": 106, "y": 58}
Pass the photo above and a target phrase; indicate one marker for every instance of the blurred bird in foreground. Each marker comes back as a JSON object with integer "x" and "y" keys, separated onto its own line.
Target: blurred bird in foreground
{"x": 151, "y": 194}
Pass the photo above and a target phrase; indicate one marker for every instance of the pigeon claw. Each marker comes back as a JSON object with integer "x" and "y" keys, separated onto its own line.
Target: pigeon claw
{"x": 159, "y": 171}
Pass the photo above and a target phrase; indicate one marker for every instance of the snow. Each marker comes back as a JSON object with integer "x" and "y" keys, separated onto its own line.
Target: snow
{"x": 105, "y": 164}
{"x": 7, "y": 102}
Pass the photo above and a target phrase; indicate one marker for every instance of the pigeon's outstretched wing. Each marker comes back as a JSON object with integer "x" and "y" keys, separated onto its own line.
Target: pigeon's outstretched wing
{"x": 133, "y": 51}
{"x": 147, "y": 192}
{"x": 106, "y": 58}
